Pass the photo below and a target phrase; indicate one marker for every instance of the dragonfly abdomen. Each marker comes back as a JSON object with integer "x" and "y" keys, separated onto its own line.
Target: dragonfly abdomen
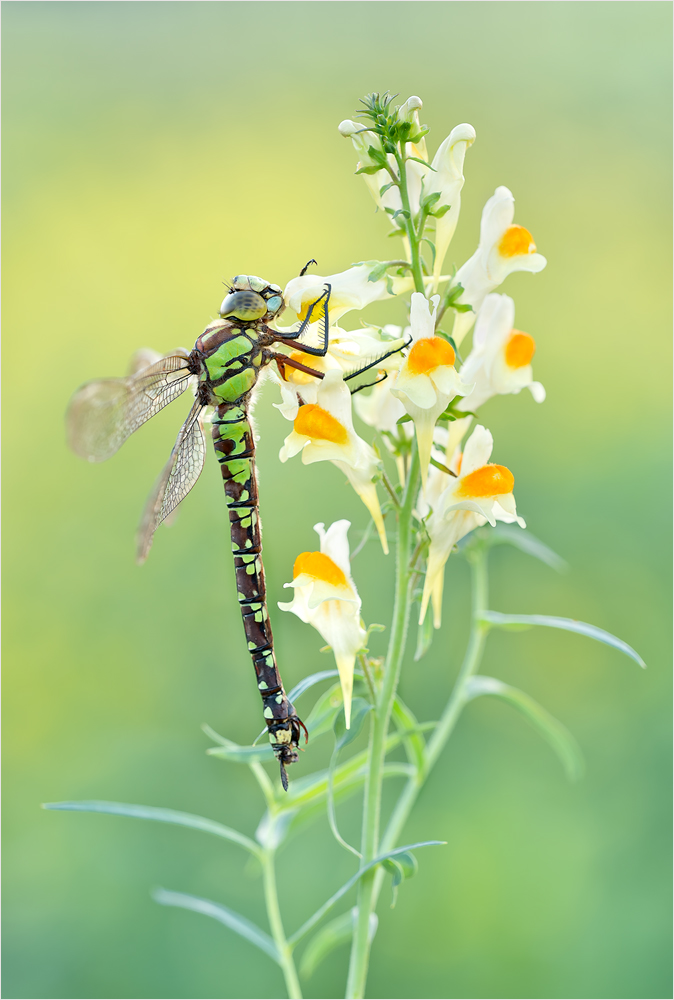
{"x": 235, "y": 449}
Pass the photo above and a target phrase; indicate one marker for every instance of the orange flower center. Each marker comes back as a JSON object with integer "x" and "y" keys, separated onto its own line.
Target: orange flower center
{"x": 488, "y": 481}
{"x": 516, "y": 241}
{"x": 520, "y": 349}
{"x": 297, "y": 376}
{"x": 315, "y": 422}
{"x": 429, "y": 353}
{"x": 320, "y": 567}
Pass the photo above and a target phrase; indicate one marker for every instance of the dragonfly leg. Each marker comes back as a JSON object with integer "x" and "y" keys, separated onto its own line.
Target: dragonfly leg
{"x": 368, "y": 385}
{"x": 373, "y": 364}
{"x": 307, "y": 266}
{"x": 289, "y": 338}
{"x": 282, "y": 360}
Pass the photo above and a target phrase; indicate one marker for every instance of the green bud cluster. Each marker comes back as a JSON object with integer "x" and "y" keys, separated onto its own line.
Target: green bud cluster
{"x": 387, "y": 123}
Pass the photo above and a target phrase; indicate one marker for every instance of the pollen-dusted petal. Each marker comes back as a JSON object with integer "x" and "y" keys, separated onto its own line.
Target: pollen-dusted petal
{"x": 487, "y": 481}
{"x": 519, "y": 349}
{"x": 320, "y": 567}
{"x": 317, "y": 312}
{"x": 429, "y": 353}
{"x": 516, "y": 241}
{"x": 298, "y": 376}
{"x": 315, "y": 422}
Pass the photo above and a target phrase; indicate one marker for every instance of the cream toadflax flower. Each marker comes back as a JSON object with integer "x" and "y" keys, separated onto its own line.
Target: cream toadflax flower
{"x": 500, "y": 361}
{"x": 323, "y": 431}
{"x": 326, "y": 597}
{"x": 481, "y": 492}
{"x": 504, "y": 248}
{"x": 427, "y": 381}
{"x": 447, "y": 180}
{"x": 349, "y": 289}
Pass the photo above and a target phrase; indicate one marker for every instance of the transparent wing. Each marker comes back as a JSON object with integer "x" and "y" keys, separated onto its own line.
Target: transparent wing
{"x": 178, "y": 477}
{"x": 104, "y": 413}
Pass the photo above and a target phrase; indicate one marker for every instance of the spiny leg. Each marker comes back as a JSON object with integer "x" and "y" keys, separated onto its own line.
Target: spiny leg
{"x": 368, "y": 385}
{"x": 289, "y": 338}
{"x": 282, "y": 360}
{"x": 307, "y": 266}
{"x": 373, "y": 364}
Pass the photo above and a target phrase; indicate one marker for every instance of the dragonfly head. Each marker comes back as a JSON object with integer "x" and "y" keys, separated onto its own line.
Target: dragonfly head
{"x": 252, "y": 298}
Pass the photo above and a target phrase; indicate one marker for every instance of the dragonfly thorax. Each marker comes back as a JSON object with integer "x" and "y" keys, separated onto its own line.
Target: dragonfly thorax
{"x": 252, "y": 298}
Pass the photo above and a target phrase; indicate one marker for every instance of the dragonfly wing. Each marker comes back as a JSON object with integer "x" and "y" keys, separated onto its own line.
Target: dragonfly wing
{"x": 177, "y": 479}
{"x": 104, "y": 413}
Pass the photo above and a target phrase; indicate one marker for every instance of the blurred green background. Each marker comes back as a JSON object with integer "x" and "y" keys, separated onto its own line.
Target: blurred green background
{"x": 152, "y": 150}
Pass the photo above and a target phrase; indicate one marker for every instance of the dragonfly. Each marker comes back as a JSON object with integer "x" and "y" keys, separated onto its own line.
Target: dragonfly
{"x": 223, "y": 367}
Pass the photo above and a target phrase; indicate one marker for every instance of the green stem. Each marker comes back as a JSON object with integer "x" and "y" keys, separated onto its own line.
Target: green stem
{"x": 457, "y": 700}
{"x": 409, "y": 225}
{"x": 360, "y": 952}
{"x": 276, "y": 926}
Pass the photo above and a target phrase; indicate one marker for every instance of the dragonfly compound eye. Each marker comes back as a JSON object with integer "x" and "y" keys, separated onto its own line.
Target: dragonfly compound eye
{"x": 244, "y": 305}
{"x": 274, "y": 303}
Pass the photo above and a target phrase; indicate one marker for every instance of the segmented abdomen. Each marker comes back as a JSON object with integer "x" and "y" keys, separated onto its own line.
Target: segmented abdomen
{"x": 235, "y": 450}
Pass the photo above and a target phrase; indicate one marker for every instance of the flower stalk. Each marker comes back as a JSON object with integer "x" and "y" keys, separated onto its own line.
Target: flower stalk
{"x": 276, "y": 925}
{"x": 381, "y": 718}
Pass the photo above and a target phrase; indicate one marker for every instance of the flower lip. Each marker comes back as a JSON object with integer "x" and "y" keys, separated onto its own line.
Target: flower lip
{"x": 520, "y": 349}
{"x": 516, "y": 241}
{"x": 487, "y": 481}
{"x": 315, "y": 422}
{"x": 430, "y": 353}
{"x": 320, "y": 566}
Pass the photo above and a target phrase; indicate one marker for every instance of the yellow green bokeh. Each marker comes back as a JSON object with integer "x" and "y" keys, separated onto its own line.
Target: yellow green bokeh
{"x": 153, "y": 150}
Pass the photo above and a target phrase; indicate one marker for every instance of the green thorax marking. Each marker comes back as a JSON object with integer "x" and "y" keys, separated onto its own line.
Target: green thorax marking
{"x": 233, "y": 363}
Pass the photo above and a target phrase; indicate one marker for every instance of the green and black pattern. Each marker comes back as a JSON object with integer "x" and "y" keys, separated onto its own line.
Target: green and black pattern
{"x": 223, "y": 367}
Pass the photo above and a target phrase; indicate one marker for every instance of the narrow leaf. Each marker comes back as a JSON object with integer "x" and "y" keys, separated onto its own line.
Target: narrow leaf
{"x": 309, "y": 682}
{"x": 408, "y": 728}
{"x": 240, "y": 925}
{"x": 424, "y": 637}
{"x": 161, "y": 816}
{"x": 418, "y": 160}
{"x": 322, "y": 910}
{"x": 241, "y": 755}
{"x": 504, "y": 534}
{"x": 334, "y": 934}
{"x": 551, "y": 729}
{"x": 273, "y": 828}
{"x": 344, "y": 736}
{"x": 403, "y": 867}
{"x": 567, "y": 624}
{"x": 431, "y": 244}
